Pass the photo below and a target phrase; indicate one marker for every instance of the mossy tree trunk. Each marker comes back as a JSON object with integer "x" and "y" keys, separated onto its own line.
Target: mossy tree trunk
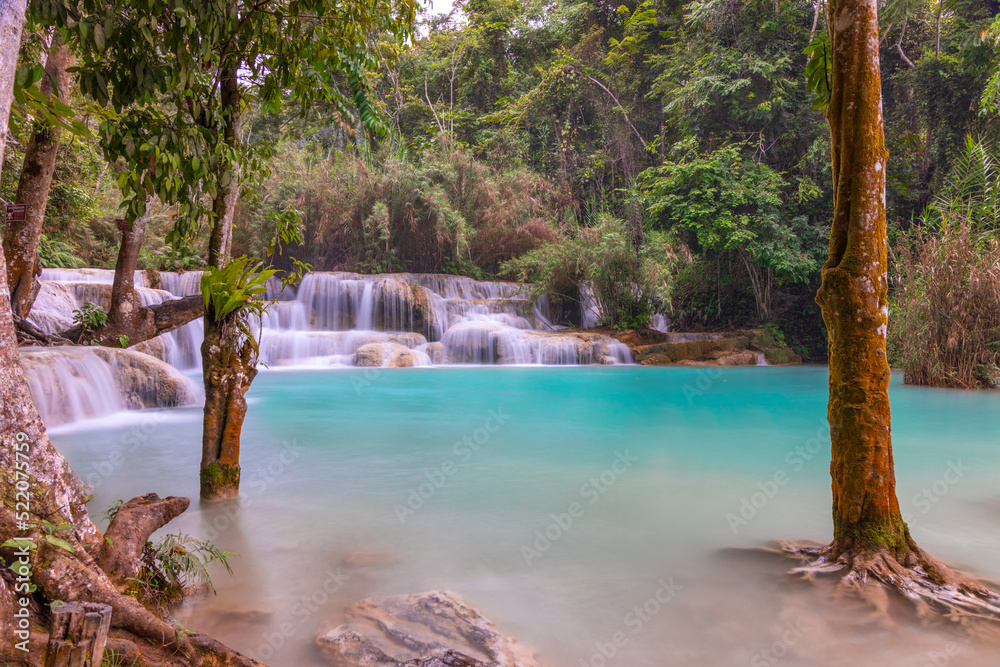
{"x": 853, "y": 296}
{"x": 870, "y": 538}
{"x": 229, "y": 361}
{"x": 20, "y": 241}
{"x": 229, "y": 366}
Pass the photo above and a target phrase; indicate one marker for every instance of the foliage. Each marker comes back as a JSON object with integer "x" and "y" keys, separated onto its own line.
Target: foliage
{"x": 57, "y": 254}
{"x": 89, "y": 317}
{"x": 628, "y": 287}
{"x": 179, "y": 561}
{"x": 722, "y": 203}
{"x": 235, "y": 290}
{"x": 945, "y": 324}
{"x": 972, "y": 189}
{"x": 158, "y": 70}
{"x": 440, "y": 212}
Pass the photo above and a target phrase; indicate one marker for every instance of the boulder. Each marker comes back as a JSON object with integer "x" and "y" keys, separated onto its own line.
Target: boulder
{"x": 78, "y": 382}
{"x": 744, "y": 358}
{"x": 376, "y": 354}
{"x": 389, "y": 354}
{"x": 433, "y": 629}
{"x": 147, "y": 382}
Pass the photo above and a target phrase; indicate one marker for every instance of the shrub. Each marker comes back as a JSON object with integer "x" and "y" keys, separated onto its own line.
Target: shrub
{"x": 945, "y": 325}
{"x": 628, "y": 286}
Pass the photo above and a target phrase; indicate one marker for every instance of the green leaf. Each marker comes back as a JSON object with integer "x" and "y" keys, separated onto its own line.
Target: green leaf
{"x": 20, "y": 543}
{"x": 61, "y": 543}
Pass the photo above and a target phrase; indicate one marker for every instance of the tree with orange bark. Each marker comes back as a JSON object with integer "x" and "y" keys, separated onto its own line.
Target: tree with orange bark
{"x": 870, "y": 537}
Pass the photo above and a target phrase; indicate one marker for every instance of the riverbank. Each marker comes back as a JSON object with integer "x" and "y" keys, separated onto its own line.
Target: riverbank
{"x": 740, "y": 347}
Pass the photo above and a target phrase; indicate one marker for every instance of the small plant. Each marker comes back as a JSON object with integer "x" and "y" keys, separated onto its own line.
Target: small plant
{"x": 776, "y": 333}
{"x": 112, "y": 511}
{"x": 89, "y": 317}
{"x": 123, "y": 341}
{"x": 180, "y": 561}
{"x": 113, "y": 659}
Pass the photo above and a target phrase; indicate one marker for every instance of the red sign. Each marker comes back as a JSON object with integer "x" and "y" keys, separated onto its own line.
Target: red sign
{"x": 16, "y": 212}
{"x": 122, "y": 223}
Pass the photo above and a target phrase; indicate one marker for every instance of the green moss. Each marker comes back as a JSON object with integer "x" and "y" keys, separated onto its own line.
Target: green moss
{"x": 891, "y": 534}
{"x": 220, "y": 480}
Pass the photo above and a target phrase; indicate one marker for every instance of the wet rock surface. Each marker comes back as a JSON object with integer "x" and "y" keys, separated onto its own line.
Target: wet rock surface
{"x": 433, "y": 629}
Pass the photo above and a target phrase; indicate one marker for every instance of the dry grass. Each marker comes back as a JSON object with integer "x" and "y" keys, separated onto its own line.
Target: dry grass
{"x": 946, "y": 324}
{"x": 442, "y": 213}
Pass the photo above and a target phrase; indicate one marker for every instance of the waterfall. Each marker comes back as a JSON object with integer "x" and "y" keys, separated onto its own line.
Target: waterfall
{"x": 69, "y": 384}
{"x": 343, "y": 319}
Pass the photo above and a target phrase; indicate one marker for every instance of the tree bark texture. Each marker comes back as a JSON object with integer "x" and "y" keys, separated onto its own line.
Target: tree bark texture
{"x": 229, "y": 362}
{"x": 125, "y": 306}
{"x": 224, "y": 205}
{"x": 150, "y": 322}
{"x": 20, "y": 241}
{"x": 229, "y": 365}
{"x": 853, "y": 295}
{"x": 125, "y": 539}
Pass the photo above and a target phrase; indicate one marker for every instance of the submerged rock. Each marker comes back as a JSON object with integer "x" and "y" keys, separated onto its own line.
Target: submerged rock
{"x": 433, "y": 629}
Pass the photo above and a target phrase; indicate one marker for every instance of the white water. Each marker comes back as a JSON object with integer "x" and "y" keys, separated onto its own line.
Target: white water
{"x": 440, "y": 319}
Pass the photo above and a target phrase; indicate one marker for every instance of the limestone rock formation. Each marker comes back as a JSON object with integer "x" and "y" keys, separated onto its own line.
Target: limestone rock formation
{"x": 72, "y": 383}
{"x": 431, "y": 629}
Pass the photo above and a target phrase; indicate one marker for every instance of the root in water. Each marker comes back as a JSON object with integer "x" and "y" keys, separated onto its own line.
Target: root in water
{"x": 935, "y": 590}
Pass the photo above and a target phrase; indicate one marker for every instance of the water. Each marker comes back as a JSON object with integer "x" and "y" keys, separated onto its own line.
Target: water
{"x": 404, "y": 481}
{"x": 426, "y": 318}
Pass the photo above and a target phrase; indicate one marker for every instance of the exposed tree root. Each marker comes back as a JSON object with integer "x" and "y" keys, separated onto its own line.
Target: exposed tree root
{"x": 125, "y": 539}
{"x": 934, "y": 589}
{"x": 29, "y": 334}
{"x": 61, "y": 575}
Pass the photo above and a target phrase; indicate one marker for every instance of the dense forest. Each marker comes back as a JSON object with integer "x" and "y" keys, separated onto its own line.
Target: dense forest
{"x": 678, "y": 147}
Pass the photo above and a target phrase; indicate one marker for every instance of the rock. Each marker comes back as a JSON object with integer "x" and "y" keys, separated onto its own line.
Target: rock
{"x": 389, "y": 354}
{"x": 744, "y": 358}
{"x": 362, "y": 559}
{"x": 154, "y": 347}
{"x": 436, "y": 353}
{"x": 70, "y": 383}
{"x": 433, "y": 629}
{"x": 781, "y": 355}
{"x": 737, "y": 348}
{"x": 376, "y": 354}
{"x": 660, "y": 354}
{"x": 147, "y": 382}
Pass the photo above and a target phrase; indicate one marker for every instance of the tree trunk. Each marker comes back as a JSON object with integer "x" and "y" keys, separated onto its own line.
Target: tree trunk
{"x": 20, "y": 241}
{"x": 229, "y": 366}
{"x": 224, "y": 205}
{"x": 125, "y": 539}
{"x": 229, "y": 362}
{"x": 125, "y": 307}
{"x": 853, "y": 296}
{"x": 870, "y": 538}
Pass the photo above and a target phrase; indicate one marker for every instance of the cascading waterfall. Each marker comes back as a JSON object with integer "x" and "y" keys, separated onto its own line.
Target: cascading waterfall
{"x": 352, "y": 319}
{"x": 74, "y": 383}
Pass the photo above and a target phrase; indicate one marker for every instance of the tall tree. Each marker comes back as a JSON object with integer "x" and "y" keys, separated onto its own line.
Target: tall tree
{"x": 870, "y": 537}
{"x": 20, "y": 240}
{"x": 62, "y": 568}
{"x": 179, "y": 76}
